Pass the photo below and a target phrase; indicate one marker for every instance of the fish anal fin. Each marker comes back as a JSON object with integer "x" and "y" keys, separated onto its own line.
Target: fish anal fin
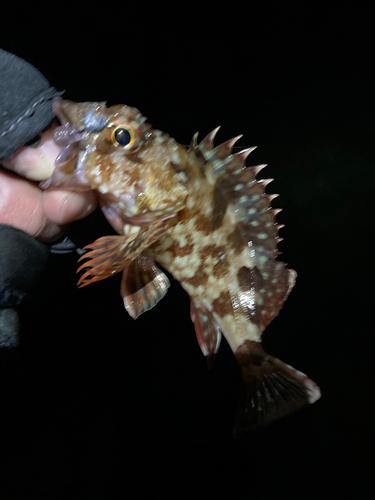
{"x": 143, "y": 285}
{"x": 272, "y": 389}
{"x": 208, "y": 334}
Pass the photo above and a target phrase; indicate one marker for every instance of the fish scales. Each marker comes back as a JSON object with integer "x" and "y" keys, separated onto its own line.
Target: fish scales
{"x": 202, "y": 215}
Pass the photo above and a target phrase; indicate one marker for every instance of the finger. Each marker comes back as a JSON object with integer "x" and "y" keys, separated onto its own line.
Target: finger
{"x": 21, "y": 206}
{"x": 62, "y": 207}
{"x": 35, "y": 163}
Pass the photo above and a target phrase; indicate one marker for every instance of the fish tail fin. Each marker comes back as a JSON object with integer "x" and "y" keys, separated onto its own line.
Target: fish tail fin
{"x": 272, "y": 389}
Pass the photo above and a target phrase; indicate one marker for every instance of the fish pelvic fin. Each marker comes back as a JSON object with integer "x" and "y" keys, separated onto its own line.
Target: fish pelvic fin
{"x": 272, "y": 389}
{"x": 143, "y": 285}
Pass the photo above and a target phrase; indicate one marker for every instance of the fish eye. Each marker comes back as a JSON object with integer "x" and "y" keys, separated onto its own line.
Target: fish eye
{"x": 122, "y": 136}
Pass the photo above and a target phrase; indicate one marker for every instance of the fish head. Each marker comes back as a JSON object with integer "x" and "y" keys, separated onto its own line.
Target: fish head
{"x": 135, "y": 168}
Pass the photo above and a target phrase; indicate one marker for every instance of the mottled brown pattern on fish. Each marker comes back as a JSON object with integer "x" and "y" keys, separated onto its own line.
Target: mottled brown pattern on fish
{"x": 235, "y": 240}
{"x": 181, "y": 251}
{"x": 219, "y": 208}
{"x": 200, "y": 277}
{"x": 221, "y": 268}
{"x": 244, "y": 277}
{"x": 209, "y": 250}
{"x": 257, "y": 277}
{"x": 222, "y": 306}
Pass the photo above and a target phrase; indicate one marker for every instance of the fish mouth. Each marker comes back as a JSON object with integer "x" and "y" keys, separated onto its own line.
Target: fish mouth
{"x": 63, "y": 109}
{"x": 67, "y": 135}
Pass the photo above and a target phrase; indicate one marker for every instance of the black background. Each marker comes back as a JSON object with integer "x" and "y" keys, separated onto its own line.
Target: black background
{"x": 96, "y": 405}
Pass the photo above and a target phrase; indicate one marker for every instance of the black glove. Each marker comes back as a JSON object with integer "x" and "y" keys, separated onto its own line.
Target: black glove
{"x": 25, "y": 109}
{"x": 25, "y": 103}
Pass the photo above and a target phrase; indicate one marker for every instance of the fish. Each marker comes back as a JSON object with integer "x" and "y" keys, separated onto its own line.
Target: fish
{"x": 202, "y": 215}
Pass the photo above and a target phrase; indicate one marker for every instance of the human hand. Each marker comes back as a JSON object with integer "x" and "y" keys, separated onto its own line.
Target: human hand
{"x": 42, "y": 214}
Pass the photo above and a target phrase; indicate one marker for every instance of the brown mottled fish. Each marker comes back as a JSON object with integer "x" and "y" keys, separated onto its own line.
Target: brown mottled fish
{"x": 202, "y": 215}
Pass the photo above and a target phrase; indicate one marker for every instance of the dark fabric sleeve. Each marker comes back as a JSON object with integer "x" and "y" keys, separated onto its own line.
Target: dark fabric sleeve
{"x": 23, "y": 271}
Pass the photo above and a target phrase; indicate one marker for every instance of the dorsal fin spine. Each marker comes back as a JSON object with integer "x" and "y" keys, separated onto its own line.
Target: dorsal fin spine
{"x": 239, "y": 183}
{"x": 207, "y": 143}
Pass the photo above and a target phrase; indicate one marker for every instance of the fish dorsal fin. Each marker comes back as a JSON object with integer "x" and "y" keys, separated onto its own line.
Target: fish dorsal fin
{"x": 242, "y": 191}
{"x": 252, "y": 218}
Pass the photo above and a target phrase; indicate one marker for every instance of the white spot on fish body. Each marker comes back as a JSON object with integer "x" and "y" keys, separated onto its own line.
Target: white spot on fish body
{"x": 96, "y": 170}
{"x": 189, "y": 288}
{"x": 262, "y": 236}
{"x": 182, "y": 241}
{"x": 182, "y": 176}
{"x": 190, "y": 203}
{"x": 176, "y": 158}
{"x": 238, "y": 187}
{"x": 262, "y": 259}
{"x": 207, "y": 304}
{"x": 182, "y": 261}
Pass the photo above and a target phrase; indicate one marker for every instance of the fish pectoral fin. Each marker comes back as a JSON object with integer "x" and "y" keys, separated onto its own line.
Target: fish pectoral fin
{"x": 107, "y": 256}
{"x": 143, "y": 285}
{"x": 271, "y": 389}
{"x": 110, "y": 254}
{"x": 208, "y": 334}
